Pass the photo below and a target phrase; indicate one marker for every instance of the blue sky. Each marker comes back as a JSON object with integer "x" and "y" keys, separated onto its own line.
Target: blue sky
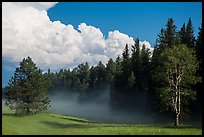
{"x": 136, "y": 19}
{"x": 142, "y": 19}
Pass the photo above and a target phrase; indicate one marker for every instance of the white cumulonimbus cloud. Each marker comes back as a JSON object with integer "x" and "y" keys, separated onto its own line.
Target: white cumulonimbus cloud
{"x": 28, "y": 31}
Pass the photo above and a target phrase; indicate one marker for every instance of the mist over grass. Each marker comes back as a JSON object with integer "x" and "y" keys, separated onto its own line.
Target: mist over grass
{"x": 95, "y": 106}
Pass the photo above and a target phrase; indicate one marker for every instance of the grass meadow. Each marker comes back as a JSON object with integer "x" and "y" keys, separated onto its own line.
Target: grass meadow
{"x": 58, "y": 124}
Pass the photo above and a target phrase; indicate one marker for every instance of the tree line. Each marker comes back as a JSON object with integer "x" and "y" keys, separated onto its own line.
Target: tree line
{"x": 167, "y": 79}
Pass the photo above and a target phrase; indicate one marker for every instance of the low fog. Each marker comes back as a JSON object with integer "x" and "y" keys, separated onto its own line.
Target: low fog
{"x": 95, "y": 107}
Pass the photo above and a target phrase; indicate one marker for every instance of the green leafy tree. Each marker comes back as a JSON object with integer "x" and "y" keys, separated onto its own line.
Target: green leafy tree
{"x": 176, "y": 75}
{"x": 27, "y": 93}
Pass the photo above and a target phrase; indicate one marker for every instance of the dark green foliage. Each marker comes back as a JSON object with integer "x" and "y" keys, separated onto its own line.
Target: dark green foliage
{"x": 83, "y": 76}
{"x": 197, "y": 105}
{"x": 170, "y": 34}
{"x": 126, "y": 68}
{"x": 93, "y": 78}
{"x": 186, "y": 34}
{"x": 176, "y": 74}
{"x": 131, "y": 80}
{"x": 110, "y": 71}
{"x": 136, "y": 63}
{"x": 27, "y": 91}
{"x": 190, "y": 39}
{"x": 182, "y": 34}
{"x": 157, "y": 63}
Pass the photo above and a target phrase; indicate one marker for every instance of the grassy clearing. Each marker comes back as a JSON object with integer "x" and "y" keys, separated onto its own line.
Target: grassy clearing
{"x": 46, "y": 123}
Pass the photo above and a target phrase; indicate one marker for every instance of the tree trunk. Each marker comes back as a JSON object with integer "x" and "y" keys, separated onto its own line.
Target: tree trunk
{"x": 176, "y": 120}
{"x": 27, "y": 111}
{"x": 177, "y": 108}
{"x": 177, "y": 114}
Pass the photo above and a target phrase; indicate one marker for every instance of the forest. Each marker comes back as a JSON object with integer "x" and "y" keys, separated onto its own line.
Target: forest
{"x": 165, "y": 82}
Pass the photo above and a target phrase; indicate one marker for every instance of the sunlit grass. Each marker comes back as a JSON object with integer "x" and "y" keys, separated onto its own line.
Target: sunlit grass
{"x": 46, "y": 123}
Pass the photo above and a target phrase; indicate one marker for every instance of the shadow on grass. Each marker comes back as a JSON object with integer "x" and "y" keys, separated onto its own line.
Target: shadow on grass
{"x": 184, "y": 126}
{"x": 80, "y": 120}
{"x": 8, "y": 114}
{"x": 77, "y": 120}
{"x": 61, "y": 125}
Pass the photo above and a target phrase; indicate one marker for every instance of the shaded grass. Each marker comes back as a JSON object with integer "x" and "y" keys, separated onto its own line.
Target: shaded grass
{"x": 48, "y": 124}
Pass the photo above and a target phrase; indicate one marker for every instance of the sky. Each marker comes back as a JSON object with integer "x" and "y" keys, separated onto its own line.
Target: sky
{"x": 65, "y": 34}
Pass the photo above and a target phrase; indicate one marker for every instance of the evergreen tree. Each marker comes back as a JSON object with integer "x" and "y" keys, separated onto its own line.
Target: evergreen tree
{"x": 83, "y": 74}
{"x": 190, "y": 39}
{"x": 131, "y": 80}
{"x": 182, "y": 34}
{"x": 126, "y": 67}
{"x": 170, "y": 34}
{"x": 145, "y": 68}
{"x": 67, "y": 79}
{"x": 125, "y": 54}
{"x": 27, "y": 91}
{"x": 200, "y": 51}
{"x": 92, "y": 78}
{"x": 161, "y": 39}
{"x": 199, "y": 46}
{"x": 200, "y": 86}
{"x": 110, "y": 71}
{"x": 49, "y": 79}
{"x": 136, "y": 63}
{"x": 100, "y": 75}
{"x": 117, "y": 78}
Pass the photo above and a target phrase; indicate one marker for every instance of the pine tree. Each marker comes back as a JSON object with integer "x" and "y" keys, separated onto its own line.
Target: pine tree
{"x": 170, "y": 34}
{"x": 27, "y": 91}
{"x": 92, "y": 78}
{"x": 131, "y": 80}
{"x": 110, "y": 71}
{"x": 199, "y": 46}
{"x": 136, "y": 63}
{"x": 83, "y": 74}
{"x": 145, "y": 68}
{"x": 125, "y": 54}
{"x": 126, "y": 67}
{"x": 200, "y": 57}
{"x": 182, "y": 34}
{"x": 190, "y": 39}
{"x": 117, "y": 78}
{"x": 100, "y": 75}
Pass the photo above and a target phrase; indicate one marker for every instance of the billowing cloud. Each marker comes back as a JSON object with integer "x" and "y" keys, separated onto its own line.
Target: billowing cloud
{"x": 28, "y": 31}
{"x": 147, "y": 45}
{"x": 36, "y": 5}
